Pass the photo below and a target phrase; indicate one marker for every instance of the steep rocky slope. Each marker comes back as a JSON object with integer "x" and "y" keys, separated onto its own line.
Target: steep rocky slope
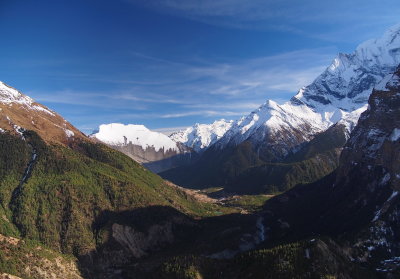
{"x": 359, "y": 203}
{"x": 20, "y": 111}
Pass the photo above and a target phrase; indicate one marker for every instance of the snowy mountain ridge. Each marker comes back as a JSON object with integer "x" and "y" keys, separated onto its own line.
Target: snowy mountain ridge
{"x": 201, "y": 136}
{"x": 120, "y": 134}
{"x": 349, "y": 80}
{"x": 16, "y": 107}
{"x": 154, "y": 150}
{"x": 340, "y": 93}
{"x": 9, "y": 96}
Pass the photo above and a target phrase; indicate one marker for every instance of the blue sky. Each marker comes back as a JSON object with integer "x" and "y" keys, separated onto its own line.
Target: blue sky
{"x": 172, "y": 63}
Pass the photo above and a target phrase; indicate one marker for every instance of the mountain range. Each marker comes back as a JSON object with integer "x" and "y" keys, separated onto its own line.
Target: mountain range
{"x": 72, "y": 207}
{"x": 264, "y": 148}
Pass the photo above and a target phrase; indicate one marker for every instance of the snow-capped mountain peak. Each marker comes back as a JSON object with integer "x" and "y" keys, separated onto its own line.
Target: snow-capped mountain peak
{"x": 348, "y": 81}
{"x": 201, "y": 136}
{"x": 19, "y": 112}
{"x": 340, "y": 93}
{"x": 120, "y": 134}
{"x": 9, "y": 96}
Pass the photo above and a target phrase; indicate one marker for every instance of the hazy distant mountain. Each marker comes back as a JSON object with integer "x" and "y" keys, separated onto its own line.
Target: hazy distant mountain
{"x": 154, "y": 150}
{"x": 201, "y": 136}
{"x": 157, "y": 151}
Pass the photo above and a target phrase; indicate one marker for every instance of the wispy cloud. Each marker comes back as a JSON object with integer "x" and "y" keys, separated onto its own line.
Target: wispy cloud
{"x": 215, "y": 113}
{"x": 202, "y": 89}
{"x": 287, "y": 15}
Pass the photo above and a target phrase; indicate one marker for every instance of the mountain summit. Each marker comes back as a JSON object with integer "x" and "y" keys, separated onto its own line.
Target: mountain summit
{"x": 279, "y": 145}
{"x": 340, "y": 93}
{"x": 154, "y": 150}
{"x": 360, "y": 200}
{"x": 201, "y": 136}
{"x": 18, "y": 110}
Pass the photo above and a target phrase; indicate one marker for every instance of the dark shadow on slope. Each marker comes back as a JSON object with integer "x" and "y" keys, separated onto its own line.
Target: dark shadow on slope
{"x": 326, "y": 207}
{"x": 131, "y": 244}
{"x": 175, "y": 161}
{"x": 158, "y": 160}
{"x": 240, "y": 170}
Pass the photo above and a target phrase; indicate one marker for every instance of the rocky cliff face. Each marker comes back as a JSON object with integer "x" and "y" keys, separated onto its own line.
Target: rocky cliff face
{"x": 158, "y": 160}
{"x": 360, "y": 201}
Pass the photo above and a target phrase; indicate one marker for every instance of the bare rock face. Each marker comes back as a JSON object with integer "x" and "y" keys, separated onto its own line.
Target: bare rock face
{"x": 129, "y": 238}
{"x": 375, "y": 140}
{"x": 158, "y": 160}
{"x": 154, "y": 150}
{"x": 370, "y": 161}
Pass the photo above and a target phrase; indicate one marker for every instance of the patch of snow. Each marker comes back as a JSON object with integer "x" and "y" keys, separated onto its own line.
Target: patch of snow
{"x": 395, "y": 135}
{"x": 120, "y": 134}
{"x": 307, "y": 253}
{"x": 69, "y": 133}
{"x": 385, "y": 179}
{"x": 350, "y": 119}
{"x": 9, "y": 95}
{"x": 39, "y": 108}
{"x": 394, "y": 194}
{"x": 378, "y": 213}
{"x": 19, "y": 131}
{"x": 382, "y": 85}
